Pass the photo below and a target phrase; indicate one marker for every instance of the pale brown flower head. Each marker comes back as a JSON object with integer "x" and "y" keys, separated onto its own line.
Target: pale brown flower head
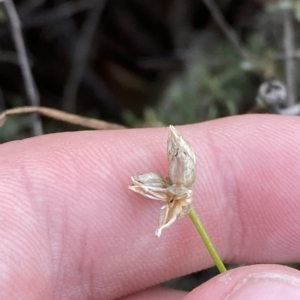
{"x": 177, "y": 205}
{"x": 175, "y": 190}
{"x": 182, "y": 159}
{"x": 150, "y": 185}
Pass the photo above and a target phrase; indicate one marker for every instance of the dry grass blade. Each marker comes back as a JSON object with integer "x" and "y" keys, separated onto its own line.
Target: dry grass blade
{"x": 61, "y": 116}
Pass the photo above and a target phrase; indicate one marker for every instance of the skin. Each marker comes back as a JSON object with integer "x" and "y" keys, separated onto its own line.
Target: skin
{"x": 71, "y": 229}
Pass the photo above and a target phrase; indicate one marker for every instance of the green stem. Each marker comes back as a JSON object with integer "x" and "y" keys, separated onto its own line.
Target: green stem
{"x": 207, "y": 242}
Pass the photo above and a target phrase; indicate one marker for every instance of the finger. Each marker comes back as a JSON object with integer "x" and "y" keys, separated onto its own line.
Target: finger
{"x": 251, "y": 282}
{"x": 66, "y": 195}
{"x": 157, "y": 293}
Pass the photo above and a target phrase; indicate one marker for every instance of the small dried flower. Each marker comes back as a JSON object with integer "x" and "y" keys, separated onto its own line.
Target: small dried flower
{"x": 175, "y": 191}
{"x": 150, "y": 185}
{"x": 182, "y": 159}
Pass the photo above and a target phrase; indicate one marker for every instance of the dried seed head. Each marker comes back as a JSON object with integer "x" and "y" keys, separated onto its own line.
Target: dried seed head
{"x": 272, "y": 93}
{"x": 150, "y": 179}
{"x": 182, "y": 159}
{"x": 169, "y": 214}
{"x": 151, "y": 185}
{"x": 178, "y": 206}
{"x": 175, "y": 191}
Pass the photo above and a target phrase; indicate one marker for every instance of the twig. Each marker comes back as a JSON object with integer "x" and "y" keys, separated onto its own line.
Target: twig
{"x": 61, "y": 116}
{"x": 289, "y": 47}
{"x": 80, "y": 56}
{"x": 32, "y": 94}
{"x": 228, "y": 31}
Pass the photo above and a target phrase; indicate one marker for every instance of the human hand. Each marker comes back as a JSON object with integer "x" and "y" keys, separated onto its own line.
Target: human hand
{"x": 71, "y": 229}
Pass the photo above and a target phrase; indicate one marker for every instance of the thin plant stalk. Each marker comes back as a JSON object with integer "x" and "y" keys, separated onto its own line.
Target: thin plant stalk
{"x": 206, "y": 240}
{"x": 30, "y": 88}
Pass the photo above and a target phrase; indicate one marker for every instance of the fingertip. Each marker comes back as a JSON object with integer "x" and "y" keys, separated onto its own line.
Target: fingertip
{"x": 251, "y": 282}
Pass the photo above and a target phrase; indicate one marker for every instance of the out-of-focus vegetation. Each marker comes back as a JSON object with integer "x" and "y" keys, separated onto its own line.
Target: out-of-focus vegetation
{"x": 176, "y": 66}
{"x": 217, "y": 81}
{"x": 214, "y": 85}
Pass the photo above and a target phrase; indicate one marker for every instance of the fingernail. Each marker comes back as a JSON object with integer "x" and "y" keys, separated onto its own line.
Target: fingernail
{"x": 267, "y": 286}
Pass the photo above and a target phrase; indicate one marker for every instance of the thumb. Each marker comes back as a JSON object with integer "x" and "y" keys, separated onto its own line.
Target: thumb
{"x": 251, "y": 282}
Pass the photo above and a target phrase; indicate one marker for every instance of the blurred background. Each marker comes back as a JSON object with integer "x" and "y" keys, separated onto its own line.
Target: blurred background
{"x": 144, "y": 63}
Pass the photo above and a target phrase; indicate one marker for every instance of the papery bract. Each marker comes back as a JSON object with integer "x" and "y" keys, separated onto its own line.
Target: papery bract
{"x": 182, "y": 160}
{"x": 150, "y": 185}
{"x": 178, "y": 204}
